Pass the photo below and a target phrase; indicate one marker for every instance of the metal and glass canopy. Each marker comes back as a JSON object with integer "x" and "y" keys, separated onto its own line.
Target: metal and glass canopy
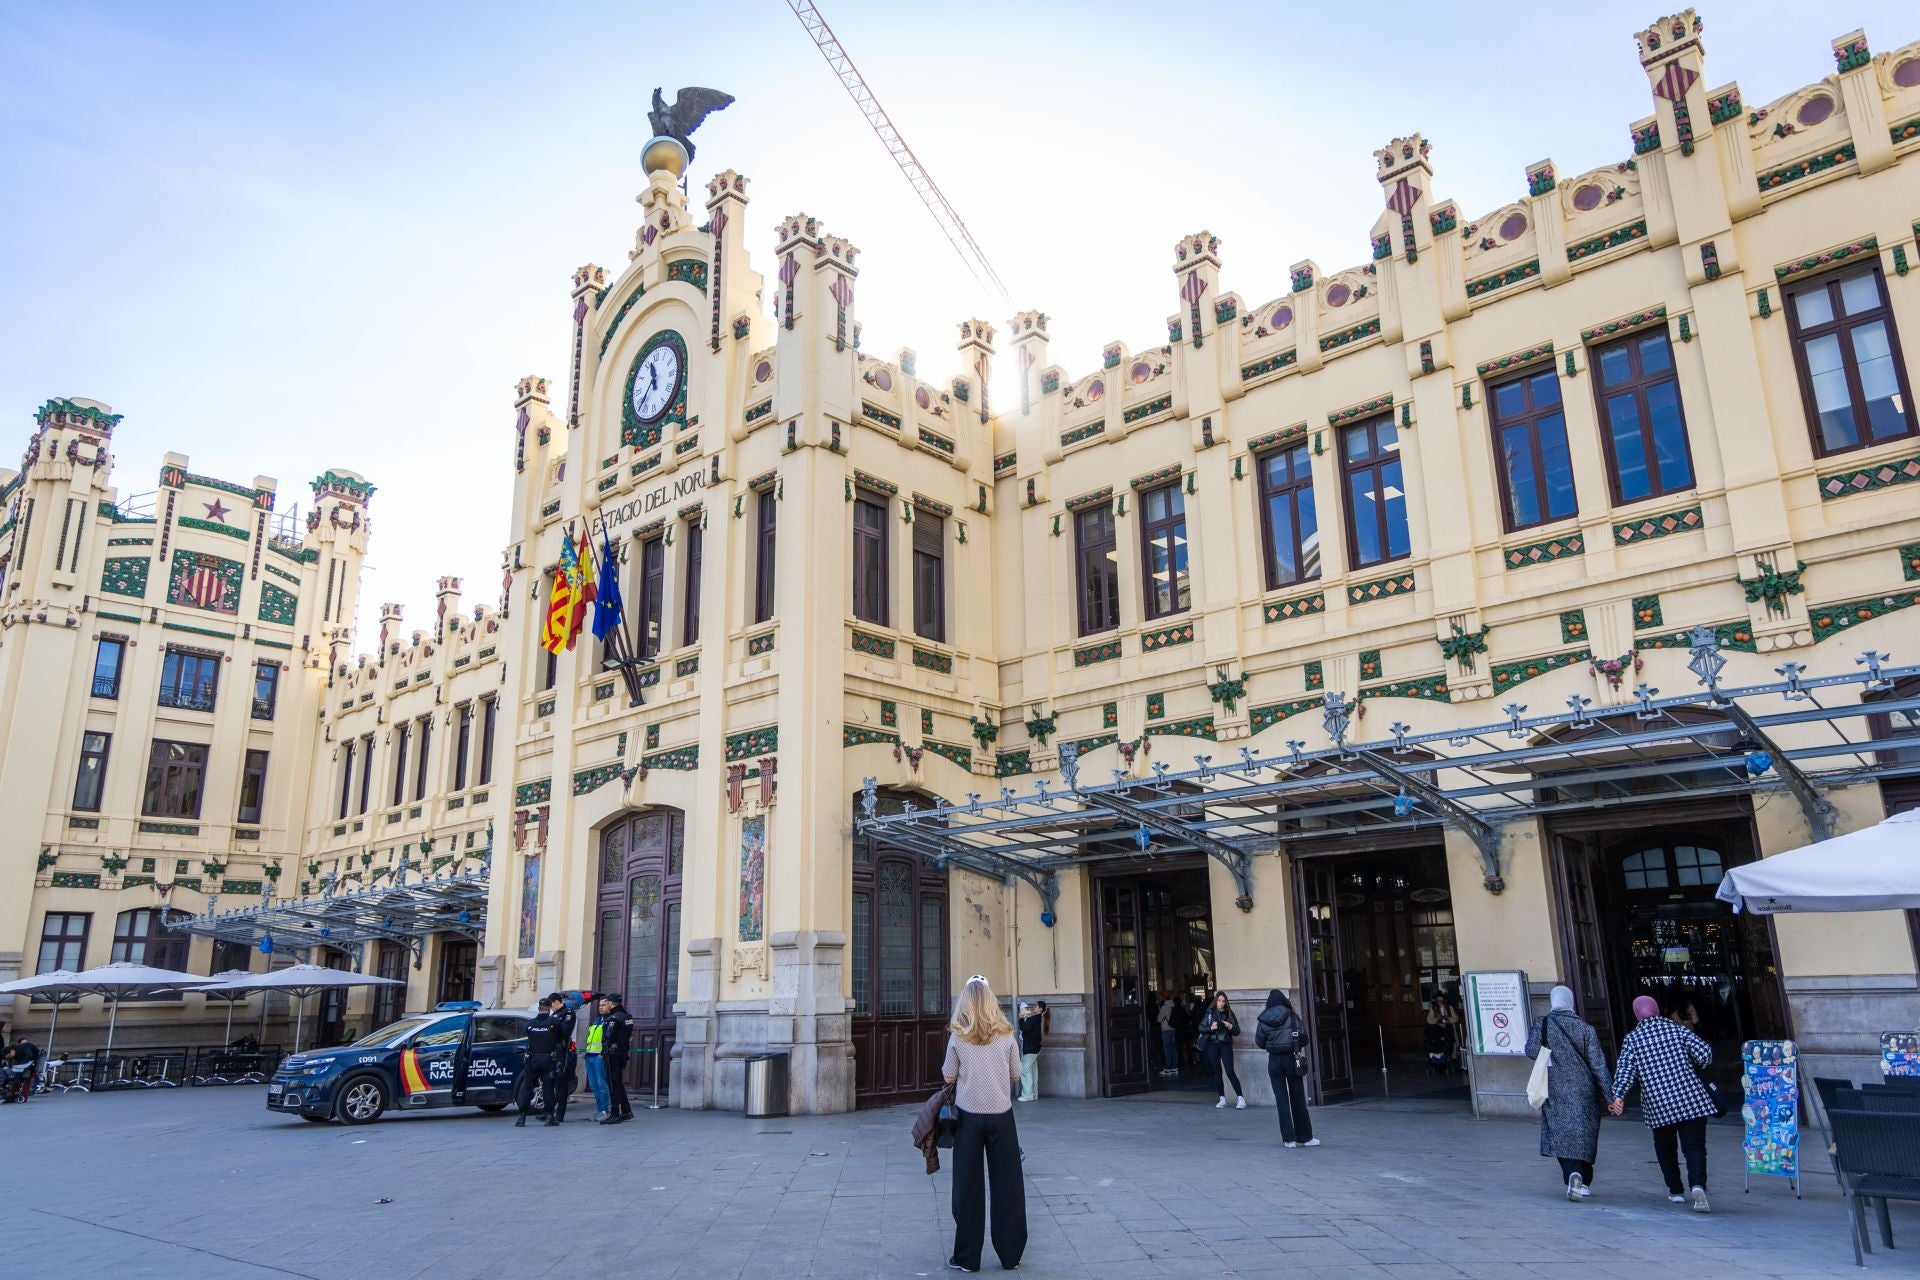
{"x": 407, "y": 910}
{"x": 1797, "y": 735}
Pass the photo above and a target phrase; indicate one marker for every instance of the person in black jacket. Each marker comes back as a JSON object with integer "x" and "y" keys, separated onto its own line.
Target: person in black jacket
{"x": 543, "y": 1059}
{"x": 566, "y": 1067}
{"x": 1218, "y": 1027}
{"x": 1281, "y": 1033}
{"x": 1032, "y": 1016}
{"x": 616, "y": 1042}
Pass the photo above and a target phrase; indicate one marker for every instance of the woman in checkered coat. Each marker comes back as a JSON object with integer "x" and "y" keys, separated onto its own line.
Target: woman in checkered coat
{"x": 1665, "y": 1060}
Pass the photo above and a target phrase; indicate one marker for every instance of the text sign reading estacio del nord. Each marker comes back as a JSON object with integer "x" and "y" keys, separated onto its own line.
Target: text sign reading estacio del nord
{"x": 622, "y": 518}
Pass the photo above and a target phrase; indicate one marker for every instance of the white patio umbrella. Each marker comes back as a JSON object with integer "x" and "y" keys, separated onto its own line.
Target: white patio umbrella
{"x": 299, "y": 981}
{"x": 52, "y": 987}
{"x": 1874, "y": 869}
{"x": 218, "y": 989}
{"x": 122, "y": 979}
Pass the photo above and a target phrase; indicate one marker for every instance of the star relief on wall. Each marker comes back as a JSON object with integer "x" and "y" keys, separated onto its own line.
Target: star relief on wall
{"x": 216, "y": 510}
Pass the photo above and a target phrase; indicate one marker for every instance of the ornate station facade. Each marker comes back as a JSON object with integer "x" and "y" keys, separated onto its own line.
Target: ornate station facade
{"x": 1471, "y": 608}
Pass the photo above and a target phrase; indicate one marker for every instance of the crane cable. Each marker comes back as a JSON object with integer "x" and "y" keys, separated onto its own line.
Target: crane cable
{"x": 917, "y": 176}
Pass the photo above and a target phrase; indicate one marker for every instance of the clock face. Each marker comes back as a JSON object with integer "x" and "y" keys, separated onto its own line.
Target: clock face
{"x": 655, "y": 383}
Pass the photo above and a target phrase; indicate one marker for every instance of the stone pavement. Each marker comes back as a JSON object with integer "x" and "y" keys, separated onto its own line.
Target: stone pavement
{"x": 205, "y": 1183}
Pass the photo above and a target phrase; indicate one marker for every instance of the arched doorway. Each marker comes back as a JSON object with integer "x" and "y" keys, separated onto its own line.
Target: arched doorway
{"x": 637, "y": 935}
{"x": 898, "y": 967}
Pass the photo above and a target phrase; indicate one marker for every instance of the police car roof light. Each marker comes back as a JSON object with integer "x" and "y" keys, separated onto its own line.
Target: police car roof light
{"x": 456, "y": 1006}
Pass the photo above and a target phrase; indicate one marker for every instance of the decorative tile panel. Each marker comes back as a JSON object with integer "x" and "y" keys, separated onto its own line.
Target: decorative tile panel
{"x": 1609, "y": 240}
{"x": 1737, "y": 636}
{"x": 1820, "y": 163}
{"x": 1647, "y": 528}
{"x": 1272, "y": 364}
{"x": 1094, "y": 499}
{"x": 679, "y": 759}
{"x": 1109, "y": 715}
{"x": 1143, "y": 411}
{"x": 762, "y": 643}
{"x": 1910, "y": 561}
{"x": 586, "y": 781}
{"x": 889, "y": 713}
{"x": 1105, "y": 651}
{"x": 859, "y": 736}
{"x": 962, "y": 756}
{"x": 278, "y": 606}
{"x": 1813, "y": 263}
{"x": 1573, "y": 626}
{"x": 1198, "y": 727}
{"x": 1098, "y": 740}
{"x": 1370, "y": 664}
{"x": 170, "y": 828}
{"x": 1005, "y": 462}
{"x": 1379, "y": 588}
{"x": 1011, "y": 764}
{"x": 1316, "y": 674}
{"x": 1879, "y": 475}
{"x": 928, "y": 660}
{"x": 1508, "y": 674}
{"x": 1433, "y": 688}
{"x": 1300, "y": 607}
{"x": 1359, "y": 332}
{"x": 1513, "y": 275}
{"x": 1646, "y": 613}
{"x": 874, "y": 646}
{"x": 1085, "y": 431}
{"x": 1156, "y": 706}
{"x": 539, "y": 791}
{"x": 125, "y": 576}
{"x": 1542, "y": 352}
{"x": 1152, "y": 641}
{"x": 1831, "y": 620}
{"x": 1623, "y": 324}
{"x": 750, "y": 744}
{"x": 1268, "y": 716}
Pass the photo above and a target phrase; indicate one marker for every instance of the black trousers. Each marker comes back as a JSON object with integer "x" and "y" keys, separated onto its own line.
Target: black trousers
{"x": 1290, "y": 1096}
{"x": 544, "y": 1072}
{"x": 1691, "y": 1137}
{"x": 988, "y": 1146}
{"x": 565, "y": 1081}
{"x": 617, "y": 1104}
{"x": 1570, "y": 1167}
{"x": 1220, "y": 1061}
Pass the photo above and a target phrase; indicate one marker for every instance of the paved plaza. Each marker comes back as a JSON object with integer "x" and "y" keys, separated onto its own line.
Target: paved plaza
{"x": 207, "y": 1184}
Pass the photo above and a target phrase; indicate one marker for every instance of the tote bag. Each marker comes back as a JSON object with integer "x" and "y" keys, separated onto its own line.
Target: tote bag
{"x": 1537, "y": 1082}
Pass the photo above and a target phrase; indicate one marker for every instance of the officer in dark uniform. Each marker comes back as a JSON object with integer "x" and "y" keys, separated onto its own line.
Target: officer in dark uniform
{"x": 566, "y": 1060}
{"x": 615, "y": 1044}
{"x": 543, "y": 1056}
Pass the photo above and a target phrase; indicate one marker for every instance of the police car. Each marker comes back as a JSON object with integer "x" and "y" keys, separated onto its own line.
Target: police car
{"x": 460, "y": 1055}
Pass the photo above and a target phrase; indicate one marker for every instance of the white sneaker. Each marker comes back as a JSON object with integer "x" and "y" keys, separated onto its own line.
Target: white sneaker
{"x": 1576, "y": 1186}
{"x": 1289, "y": 1144}
{"x": 1674, "y": 1197}
{"x": 1585, "y": 1192}
{"x": 1700, "y": 1204}
{"x": 1220, "y": 1104}
{"x": 1240, "y": 1105}
{"x": 1311, "y": 1142}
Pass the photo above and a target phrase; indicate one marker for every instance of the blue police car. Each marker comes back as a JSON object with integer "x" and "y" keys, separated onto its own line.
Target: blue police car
{"x": 460, "y": 1055}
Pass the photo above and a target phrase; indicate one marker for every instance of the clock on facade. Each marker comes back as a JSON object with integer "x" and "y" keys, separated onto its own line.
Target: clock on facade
{"x": 655, "y": 384}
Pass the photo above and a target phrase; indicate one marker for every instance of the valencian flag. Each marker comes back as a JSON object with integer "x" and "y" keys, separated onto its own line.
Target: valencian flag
{"x": 561, "y": 600}
{"x": 606, "y": 602}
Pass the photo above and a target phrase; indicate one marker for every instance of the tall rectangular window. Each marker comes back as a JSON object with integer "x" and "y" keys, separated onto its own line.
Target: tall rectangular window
{"x": 253, "y": 787}
{"x": 1288, "y": 521}
{"x": 402, "y": 738}
{"x": 1163, "y": 550}
{"x": 1376, "y": 502}
{"x": 690, "y": 603}
{"x": 1096, "y": 569}
{"x": 189, "y": 681}
{"x": 1530, "y": 449}
{"x": 1852, "y": 379}
{"x": 140, "y": 937}
{"x": 107, "y": 661}
{"x": 366, "y": 772}
{"x": 766, "y": 524}
{"x": 1640, "y": 417}
{"x": 549, "y": 669}
{"x": 929, "y": 576}
{"x": 63, "y": 941}
{"x": 653, "y": 595}
{"x": 228, "y": 957}
{"x": 488, "y": 707}
{"x": 346, "y": 780}
{"x": 423, "y": 744}
{"x": 266, "y": 689}
{"x": 176, "y": 774}
{"x": 462, "y": 746}
{"x": 91, "y": 780}
{"x": 870, "y": 558}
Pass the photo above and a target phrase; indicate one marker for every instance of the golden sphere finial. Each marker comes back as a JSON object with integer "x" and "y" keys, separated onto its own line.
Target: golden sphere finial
{"x": 664, "y": 153}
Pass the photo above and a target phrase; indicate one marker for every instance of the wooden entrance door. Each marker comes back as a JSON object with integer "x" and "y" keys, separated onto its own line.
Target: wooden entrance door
{"x": 1124, "y": 1066}
{"x": 1583, "y": 945}
{"x": 1319, "y": 917}
{"x": 637, "y": 934}
{"x": 898, "y": 974}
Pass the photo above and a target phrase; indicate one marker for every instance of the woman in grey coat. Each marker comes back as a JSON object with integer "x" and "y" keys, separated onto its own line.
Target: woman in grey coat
{"x": 1576, "y": 1091}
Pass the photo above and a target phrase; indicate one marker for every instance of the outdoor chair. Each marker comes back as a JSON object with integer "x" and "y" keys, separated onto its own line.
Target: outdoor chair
{"x": 1877, "y": 1159}
{"x": 1895, "y": 1084}
{"x": 1827, "y": 1087}
{"x": 1870, "y": 1099}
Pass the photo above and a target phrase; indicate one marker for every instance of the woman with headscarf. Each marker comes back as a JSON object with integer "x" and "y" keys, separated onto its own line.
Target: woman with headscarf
{"x": 1576, "y": 1089}
{"x": 983, "y": 1066}
{"x": 1281, "y": 1033}
{"x": 1665, "y": 1059}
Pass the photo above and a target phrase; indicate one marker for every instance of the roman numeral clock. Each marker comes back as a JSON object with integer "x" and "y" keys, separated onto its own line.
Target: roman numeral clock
{"x": 656, "y": 391}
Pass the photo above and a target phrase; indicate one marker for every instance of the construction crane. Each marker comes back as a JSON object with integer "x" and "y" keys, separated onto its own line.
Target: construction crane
{"x": 922, "y": 182}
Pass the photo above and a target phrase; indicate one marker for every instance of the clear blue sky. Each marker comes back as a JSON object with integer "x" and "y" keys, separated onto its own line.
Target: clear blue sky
{"x": 286, "y": 237}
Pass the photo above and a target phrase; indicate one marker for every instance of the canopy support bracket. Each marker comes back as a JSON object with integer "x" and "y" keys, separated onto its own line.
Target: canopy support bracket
{"x": 1819, "y": 811}
{"x": 1482, "y": 833}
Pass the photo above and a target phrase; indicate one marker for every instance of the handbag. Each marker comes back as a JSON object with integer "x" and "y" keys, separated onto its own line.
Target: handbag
{"x": 1714, "y": 1096}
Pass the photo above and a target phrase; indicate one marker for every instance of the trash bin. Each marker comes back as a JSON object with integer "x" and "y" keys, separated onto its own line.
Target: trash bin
{"x": 766, "y": 1085}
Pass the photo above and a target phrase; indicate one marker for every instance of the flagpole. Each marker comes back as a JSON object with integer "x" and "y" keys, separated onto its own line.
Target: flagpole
{"x": 619, "y": 645}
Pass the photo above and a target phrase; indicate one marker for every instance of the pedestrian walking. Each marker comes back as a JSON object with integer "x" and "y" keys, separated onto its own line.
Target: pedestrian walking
{"x": 1218, "y": 1027}
{"x": 983, "y": 1064}
{"x": 616, "y": 1042}
{"x": 1665, "y": 1060}
{"x": 1169, "y": 1038}
{"x": 543, "y": 1060}
{"x": 1576, "y": 1088}
{"x": 1032, "y": 1016}
{"x": 1280, "y": 1032}
{"x": 594, "y": 1053}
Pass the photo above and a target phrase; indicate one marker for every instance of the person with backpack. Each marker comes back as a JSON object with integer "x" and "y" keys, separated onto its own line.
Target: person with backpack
{"x": 1281, "y": 1033}
{"x": 1576, "y": 1091}
{"x": 1218, "y": 1028}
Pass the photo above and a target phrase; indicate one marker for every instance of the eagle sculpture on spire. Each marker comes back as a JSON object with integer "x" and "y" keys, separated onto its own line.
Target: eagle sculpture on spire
{"x": 690, "y": 106}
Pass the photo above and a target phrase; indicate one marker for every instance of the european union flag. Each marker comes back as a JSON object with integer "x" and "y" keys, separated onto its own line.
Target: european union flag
{"x": 606, "y": 603}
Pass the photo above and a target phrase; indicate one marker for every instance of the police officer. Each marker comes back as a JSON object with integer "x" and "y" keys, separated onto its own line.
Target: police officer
{"x": 544, "y": 1038}
{"x": 616, "y": 1042}
{"x": 566, "y": 1058}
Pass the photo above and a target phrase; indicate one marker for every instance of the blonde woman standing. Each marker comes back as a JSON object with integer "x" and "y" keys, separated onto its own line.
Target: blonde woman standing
{"x": 983, "y": 1065}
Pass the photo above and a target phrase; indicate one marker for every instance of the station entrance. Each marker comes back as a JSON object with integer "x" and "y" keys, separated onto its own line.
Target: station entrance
{"x": 1381, "y": 972}
{"x": 1153, "y": 950}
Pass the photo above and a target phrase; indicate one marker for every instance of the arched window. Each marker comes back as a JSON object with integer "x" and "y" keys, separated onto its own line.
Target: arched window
{"x": 1671, "y": 866}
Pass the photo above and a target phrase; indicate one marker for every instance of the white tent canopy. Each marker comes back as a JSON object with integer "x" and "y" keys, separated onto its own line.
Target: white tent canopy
{"x": 55, "y": 988}
{"x": 1874, "y": 869}
{"x": 297, "y": 980}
